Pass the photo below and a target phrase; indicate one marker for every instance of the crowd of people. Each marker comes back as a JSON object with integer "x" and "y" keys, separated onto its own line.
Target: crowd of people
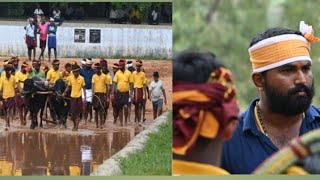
{"x": 209, "y": 134}
{"x": 115, "y": 15}
{"x": 90, "y": 86}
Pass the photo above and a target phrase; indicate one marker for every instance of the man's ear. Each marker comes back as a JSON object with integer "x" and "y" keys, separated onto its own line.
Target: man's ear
{"x": 230, "y": 128}
{"x": 258, "y": 80}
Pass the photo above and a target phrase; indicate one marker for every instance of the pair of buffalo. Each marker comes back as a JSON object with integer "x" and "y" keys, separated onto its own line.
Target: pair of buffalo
{"x": 37, "y": 95}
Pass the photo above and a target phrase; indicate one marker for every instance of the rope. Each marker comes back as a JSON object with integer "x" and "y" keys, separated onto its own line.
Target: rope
{"x": 299, "y": 148}
{"x": 100, "y": 102}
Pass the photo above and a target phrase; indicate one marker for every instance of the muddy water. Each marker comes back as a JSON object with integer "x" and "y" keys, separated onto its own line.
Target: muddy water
{"x": 42, "y": 153}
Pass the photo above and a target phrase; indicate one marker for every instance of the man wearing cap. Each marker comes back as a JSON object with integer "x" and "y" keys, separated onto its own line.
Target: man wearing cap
{"x": 76, "y": 84}
{"x": 282, "y": 74}
{"x": 43, "y": 31}
{"x": 31, "y": 38}
{"x": 20, "y": 77}
{"x": 36, "y": 71}
{"x": 138, "y": 80}
{"x": 122, "y": 80}
{"x": 157, "y": 94}
{"x": 52, "y": 39}
{"x": 7, "y": 91}
{"x": 205, "y": 113}
{"x": 101, "y": 86}
{"x": 87, "y": 73}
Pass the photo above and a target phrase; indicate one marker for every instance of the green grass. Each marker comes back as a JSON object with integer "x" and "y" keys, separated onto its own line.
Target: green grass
{"x": 155, "y": 158}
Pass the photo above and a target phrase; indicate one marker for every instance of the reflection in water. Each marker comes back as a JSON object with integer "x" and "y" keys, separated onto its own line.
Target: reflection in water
{"x": 39, "y": 153}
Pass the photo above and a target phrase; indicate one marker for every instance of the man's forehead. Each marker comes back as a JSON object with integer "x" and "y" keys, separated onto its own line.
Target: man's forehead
{"x": 297, "y": 64}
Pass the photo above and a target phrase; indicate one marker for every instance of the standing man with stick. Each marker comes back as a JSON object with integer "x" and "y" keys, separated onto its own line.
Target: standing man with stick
{"x": 138, "y": 79}
{"x": 76, "y": 84}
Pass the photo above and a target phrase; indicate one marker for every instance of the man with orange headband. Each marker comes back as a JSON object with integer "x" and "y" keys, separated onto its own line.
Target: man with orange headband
{"x": 138, "y": 80}
{"x": 76, "y": 84}
{"x": 101, "y": 86}
{"x": 205, "y": 113}
{"x": 123, "y": 82}
{"x": 54, "y": 73}
{"x": 21, "y": 76}
{"x": 282, "y": 74}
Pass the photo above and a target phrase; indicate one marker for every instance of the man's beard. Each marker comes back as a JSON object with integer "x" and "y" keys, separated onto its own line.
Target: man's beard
{"x": 289, "y": 104}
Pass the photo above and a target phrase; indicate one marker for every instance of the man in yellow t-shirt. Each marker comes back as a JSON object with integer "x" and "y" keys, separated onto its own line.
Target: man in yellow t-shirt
{"x": 7, "y": 91}
{"x": 76, "y": 84}
{"x": 101, "y": 85}
{"x": 122, "y": 81}
{"x": 138, "y": 80}
{"x": 135, "y": 16}
{"x": 54, "y": 74}
{"x": 20, "y": 77}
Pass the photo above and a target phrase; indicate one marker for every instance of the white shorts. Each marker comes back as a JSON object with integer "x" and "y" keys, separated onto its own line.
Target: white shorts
{"x": 88, "y": 95}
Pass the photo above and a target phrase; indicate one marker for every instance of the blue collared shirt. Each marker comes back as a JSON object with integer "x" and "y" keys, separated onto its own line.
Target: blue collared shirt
{"x": 87, "y": 75}
{"x": 248, "y": 147}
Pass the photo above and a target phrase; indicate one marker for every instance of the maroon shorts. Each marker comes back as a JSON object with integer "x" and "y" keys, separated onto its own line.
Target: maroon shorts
{"x": 99, "y": 101}
{"x": 31, "y": 42}
{"x": 76, "y": 106}
{"x": 138, "y": 96}
{"x": 8, "y": 103}
{"x": 121, "y": 99}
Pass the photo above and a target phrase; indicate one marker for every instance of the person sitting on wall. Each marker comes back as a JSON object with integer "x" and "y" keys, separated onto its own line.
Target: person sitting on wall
{"x": 205, "y": 113}
{"x": 38, "y": 13}
{"x": 69, "y": 13}
{"x": 57, "y": 16}
{"x": 113, "y": 17}
{"x": 135, "y": 15}
{"x": 123, "y": 15}
{"x": 80, "y": 14}
{"x": 154, "y": 16}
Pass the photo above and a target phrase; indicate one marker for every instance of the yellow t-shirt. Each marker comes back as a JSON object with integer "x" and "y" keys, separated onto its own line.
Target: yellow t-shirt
{"x": 123, "y": 80}
{"x": 138, "y": 79}
{"x": 101, "y": 82}
{"x": 136, "y": 14}
{"x": 20, "y": 77}
{"x": 7, "y": 86}
{"x": 76, "y": 86}
{"x": 53, "y": 75}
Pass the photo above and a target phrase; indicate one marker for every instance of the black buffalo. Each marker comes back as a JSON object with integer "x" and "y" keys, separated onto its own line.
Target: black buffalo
{"x": 60, "y": 104}
{"x": 35, "y": 97}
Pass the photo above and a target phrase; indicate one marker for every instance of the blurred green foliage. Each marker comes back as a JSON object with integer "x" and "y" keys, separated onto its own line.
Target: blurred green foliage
{"x": 226, "y": 27}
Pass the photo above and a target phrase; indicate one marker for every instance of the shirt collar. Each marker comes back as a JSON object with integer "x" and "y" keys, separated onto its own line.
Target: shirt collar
{"x": 249, "y": 119}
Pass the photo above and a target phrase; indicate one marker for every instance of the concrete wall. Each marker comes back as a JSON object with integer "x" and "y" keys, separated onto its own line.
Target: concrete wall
{"x": 116, "y": 41}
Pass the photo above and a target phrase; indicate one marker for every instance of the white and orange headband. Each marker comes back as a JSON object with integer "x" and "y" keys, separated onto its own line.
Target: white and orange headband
{"x": 279, "y": 50}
